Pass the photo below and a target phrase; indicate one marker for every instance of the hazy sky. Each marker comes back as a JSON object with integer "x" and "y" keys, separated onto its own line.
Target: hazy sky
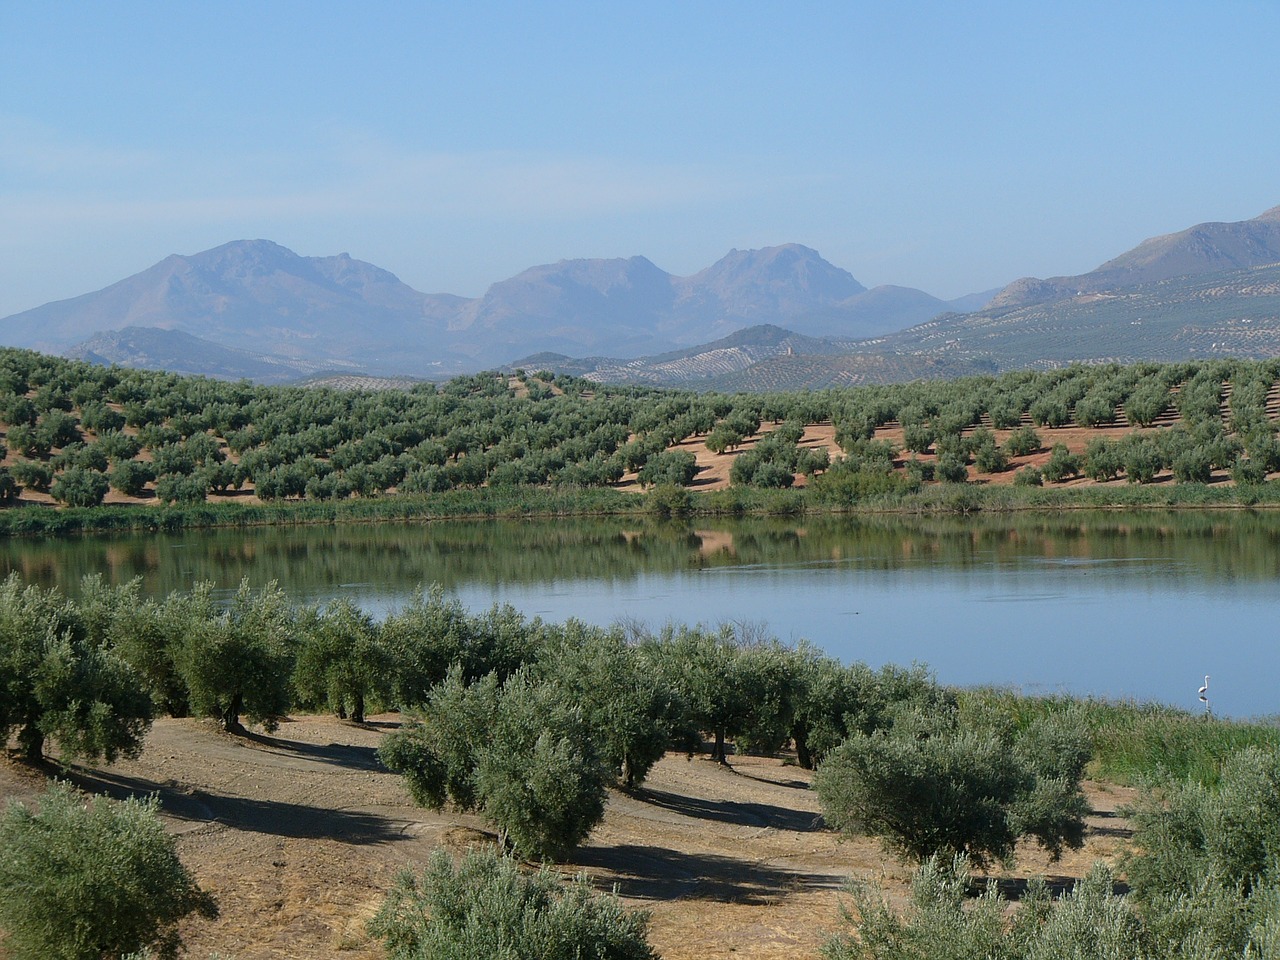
{"x": 947, "y": 146}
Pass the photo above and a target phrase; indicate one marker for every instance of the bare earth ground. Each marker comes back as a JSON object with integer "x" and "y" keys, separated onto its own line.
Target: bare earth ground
{"x": 299, "y": 834}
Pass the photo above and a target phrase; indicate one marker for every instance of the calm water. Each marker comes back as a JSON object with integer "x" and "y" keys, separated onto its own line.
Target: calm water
{"x": 1117, "y": 605}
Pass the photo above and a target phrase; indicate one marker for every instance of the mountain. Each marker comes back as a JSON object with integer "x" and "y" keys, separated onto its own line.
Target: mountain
{"x": 255, "y": 296}
{"x": 570, "y": 305}
{"x": 265, "y": 309}
{"x": 1233, "y": 313}
{"x": 1204, "y": 248}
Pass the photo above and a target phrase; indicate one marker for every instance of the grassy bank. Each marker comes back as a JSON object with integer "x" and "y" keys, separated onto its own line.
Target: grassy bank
{"x": 1140, "y": 743}
{"x": 567, "y": 501}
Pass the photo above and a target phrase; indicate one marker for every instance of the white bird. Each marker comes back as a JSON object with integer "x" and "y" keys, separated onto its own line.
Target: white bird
{"x": 1205, "y": 690}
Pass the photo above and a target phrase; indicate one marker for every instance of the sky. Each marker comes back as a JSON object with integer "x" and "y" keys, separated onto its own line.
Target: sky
{"x": 950, "y": 147}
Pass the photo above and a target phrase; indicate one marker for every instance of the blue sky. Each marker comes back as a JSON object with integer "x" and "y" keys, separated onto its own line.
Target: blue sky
{"x": 952, "y": 147}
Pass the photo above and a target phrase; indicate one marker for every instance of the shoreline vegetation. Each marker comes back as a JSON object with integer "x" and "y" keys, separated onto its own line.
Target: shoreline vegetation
{"x": 665, "y": 501}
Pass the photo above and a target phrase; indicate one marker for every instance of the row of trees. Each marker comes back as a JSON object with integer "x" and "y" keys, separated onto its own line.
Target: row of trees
{"x": 524, "y": 721}
{"x": 78, "y": 430}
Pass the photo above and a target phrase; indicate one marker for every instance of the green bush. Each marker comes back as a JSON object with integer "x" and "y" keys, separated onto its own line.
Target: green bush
{"x": 943, "y": 922}
{"x": 937, "y": 782}
{"x": 78, "y": 487}
{"x": 1028, "y": 477}
{"x": 130, "y": 477}
{"x": 57, "y": 681}
{"x": 240, "y": 661}
{"x": 951, "y": 469}
{"x": 485, "y": 908}
{"x": 521, "y": 754}
{"x": 1062, "y": 464}
{"x": 1023, "y": 441}
{"x": 88, "y": 878}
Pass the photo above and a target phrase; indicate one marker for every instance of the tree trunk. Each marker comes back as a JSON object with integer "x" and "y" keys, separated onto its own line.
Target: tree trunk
{"x": 31, "y": 740}
{"x": 800, "y": 737}
{"x": 357, "y": 709}
{"x": 717, "y": 752}
{"x": 231, "y": 716}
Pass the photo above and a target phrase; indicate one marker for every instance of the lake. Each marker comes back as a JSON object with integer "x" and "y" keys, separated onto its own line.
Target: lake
{"x": 1132, "y": 605}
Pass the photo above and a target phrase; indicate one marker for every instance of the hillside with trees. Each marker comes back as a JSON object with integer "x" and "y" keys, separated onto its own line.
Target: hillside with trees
{"x": 81, "y": 435}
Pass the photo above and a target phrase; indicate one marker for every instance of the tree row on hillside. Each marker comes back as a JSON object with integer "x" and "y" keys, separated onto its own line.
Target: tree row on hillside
{"x": 75, "y": 431}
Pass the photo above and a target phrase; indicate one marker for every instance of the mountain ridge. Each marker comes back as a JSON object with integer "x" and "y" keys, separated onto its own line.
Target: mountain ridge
{"x": 337, "y": 312}
{"x": 1203, "y": 248}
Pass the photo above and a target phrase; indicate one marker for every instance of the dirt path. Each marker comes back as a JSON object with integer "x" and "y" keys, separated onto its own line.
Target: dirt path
{"x": 299, "y": 834}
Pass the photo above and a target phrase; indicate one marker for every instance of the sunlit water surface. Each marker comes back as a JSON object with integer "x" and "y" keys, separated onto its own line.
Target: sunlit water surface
{"x": 1112, "y": 605}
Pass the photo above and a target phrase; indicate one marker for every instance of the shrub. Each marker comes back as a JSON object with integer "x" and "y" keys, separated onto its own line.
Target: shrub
{"x": 240, "y": 661}
{"x": 845, "y": 485}
{"x": 520, "y": 754}
{"x": 1022, "y": 442}
{"x": 1204, "y": 868}
{"x": 951, "y": 469}
{"x": 79, "y": 487}
{"x": 668, "y": 500}
{"x": 90, "y": 878}
{"x": 32, "y": 475}
{"x": 1062, "y": 464}
{"x": 677, "y": 467}
{"x": 485, "y": 908}
{"x": 943, "y": 921}
{"x": 1103, "y": 460}
{"x": 932, "y": 783}
{"x": 130, "y": 477}
{"x": 1028, "y": 477}
{"x": 989, "y": 458}
{"x": 1249, "y": 470}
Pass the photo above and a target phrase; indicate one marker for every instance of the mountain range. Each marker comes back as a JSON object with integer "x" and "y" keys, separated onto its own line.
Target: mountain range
{"x": 775, "y": 318}
{"x": 1210, "y": 290}
{"x": 254, "y": 308}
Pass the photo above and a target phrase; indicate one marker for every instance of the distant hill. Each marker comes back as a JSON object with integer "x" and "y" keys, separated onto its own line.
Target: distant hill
{"x": 253, "y": 308}
{"x": 695, "y": 366}
{"x": 1204, "y": 248}
{"x": 1235, "y": 313}
{"x": 152, "y": 348}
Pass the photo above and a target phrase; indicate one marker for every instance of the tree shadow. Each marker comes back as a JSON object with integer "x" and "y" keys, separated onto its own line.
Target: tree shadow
{"x": 790, "y": 784}
{"x": 740, "y": 814}
{"x": 1106, "y": 830}
{"x": 278, "y": 818}
{"x": 337, "y": 754}
{"x": 658, "y": 873}
{"x": 1015, "y": 888}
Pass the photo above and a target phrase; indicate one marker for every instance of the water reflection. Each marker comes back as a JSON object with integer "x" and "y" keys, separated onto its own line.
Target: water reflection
{"x": 1116, "y": 604}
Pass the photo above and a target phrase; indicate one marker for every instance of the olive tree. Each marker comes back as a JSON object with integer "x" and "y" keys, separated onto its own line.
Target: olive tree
{"x": 520, "y": 754}
{"x": 341, "y": 660}
{"x": 85, "y": 878}
{"x": 936, "y": 783}
{"x": 632, "y": 713}
{"x": 239, "y": 662}
{"x": 57, "y": 682}
{"x": 79, "y": 487}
